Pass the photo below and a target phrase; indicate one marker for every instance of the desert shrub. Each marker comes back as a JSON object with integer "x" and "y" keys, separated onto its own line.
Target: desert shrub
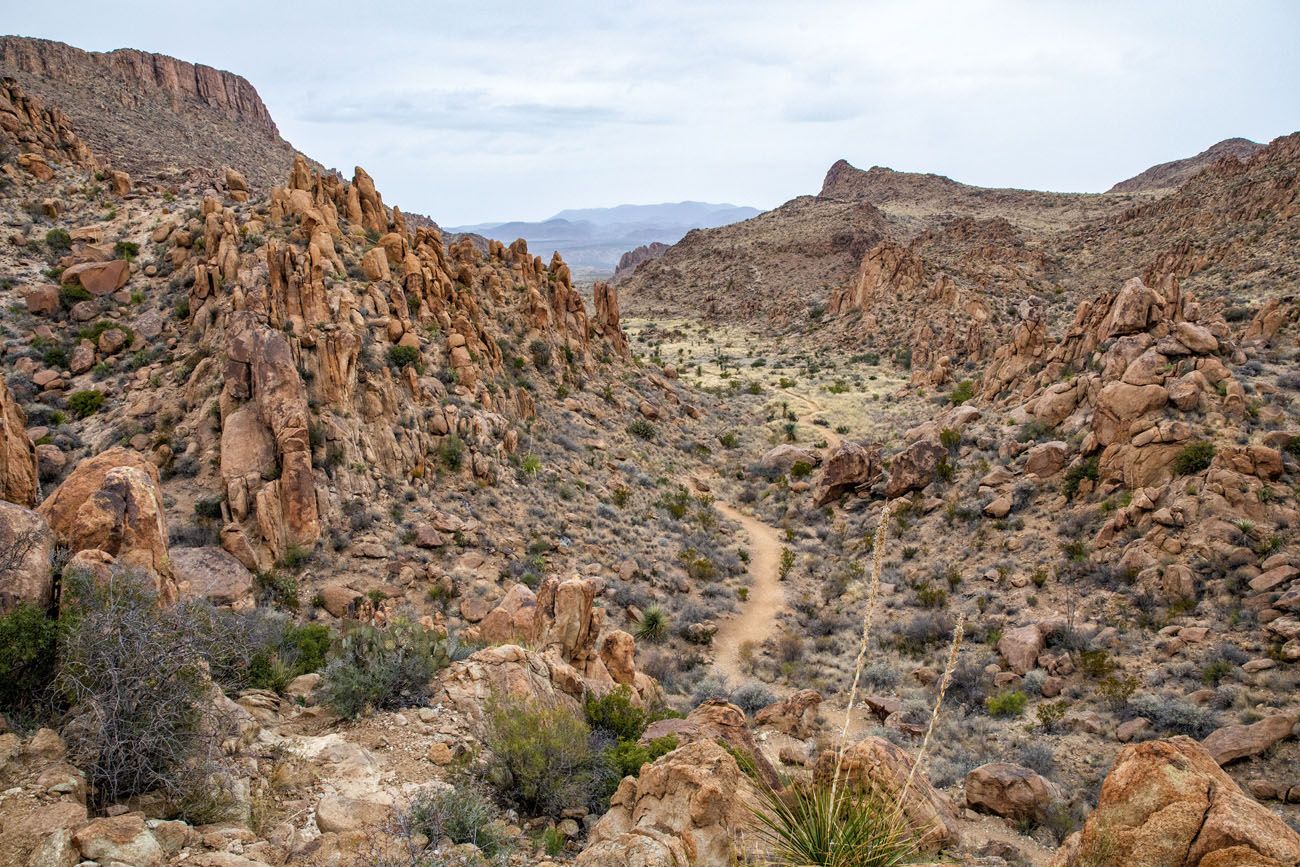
{"x": 382, "y": 668}
{"x": 86, "y": 402}
{"x": 1194, "y": 457}
{"x": 949, "y": 438}
{"x": 1006, "y": 704}
{"x": 1171, "y": 715}
{"x": 1050, "y": 714}
{"x": 642, "y": 429}
{"x": 842, "y": 826}
{"x": 615, "y": 714}
{"x": 1115, "y": 691}
{"x": 463, "y": 814}
{"x": 752, "y": 696}
{"x": 654, "y": 625}
{"x": 28, "y": 643}
{"x": 541, "y": 759}
{"x": 58, "y": 240}
{"x": 451, "y": 451}
{"x": 1074, "y": 476}
{"x": 541, "y": 352}
{"x": 208, "y": 507}
{"x": 404, "y": 356}
{"x": 141, "y": 719}
{"x": 1038, "y": 757}
{"x": 963, "y": 392}
{"x": 925, "y": 630}
{"x": 729, "y": 440}
{"x": 625, "y": 757}
{"x": 126, "y": 250}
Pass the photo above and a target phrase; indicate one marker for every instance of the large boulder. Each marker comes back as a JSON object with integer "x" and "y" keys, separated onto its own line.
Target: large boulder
{"x": 849, "y": 467}
{"x": 1167, "y": 803}
{"x": 1020, "y": 648}
{"x": 25, "y": 547}
{"x": 913, "y": 468}
{"x": 1234, "y": 742}
{"x": 716, "y": 720}
{"x": 19, "y": 472}
{"x": 782, "y": 458}
{"x": 113, "y": 503}
{"x": 1010, "y": 791}
{"x": 99, "y": 278}
{"x": 120, "y": 839}
{"x": 877, "y": 765}
{"x": 696, "y": 794}
{"x": 213, "y": 574}
{"x": 509, "y": 670}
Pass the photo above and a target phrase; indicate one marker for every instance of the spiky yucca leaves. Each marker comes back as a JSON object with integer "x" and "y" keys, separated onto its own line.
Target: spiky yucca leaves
{"x": 832, "y": 826}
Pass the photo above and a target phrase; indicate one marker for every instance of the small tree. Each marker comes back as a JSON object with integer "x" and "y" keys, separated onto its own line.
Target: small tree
{"x": 787, "y": 562}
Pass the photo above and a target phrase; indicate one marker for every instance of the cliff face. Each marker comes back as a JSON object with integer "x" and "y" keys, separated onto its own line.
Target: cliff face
{"x": 150, "y": 113}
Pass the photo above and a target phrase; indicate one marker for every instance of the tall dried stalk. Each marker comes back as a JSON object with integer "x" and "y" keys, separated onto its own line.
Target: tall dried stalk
{"x": 948, "y": 669}
{"x": 873, "y": 594}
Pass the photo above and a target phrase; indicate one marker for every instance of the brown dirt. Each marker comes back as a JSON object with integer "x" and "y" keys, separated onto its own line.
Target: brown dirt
{"x": 757, "y": 619}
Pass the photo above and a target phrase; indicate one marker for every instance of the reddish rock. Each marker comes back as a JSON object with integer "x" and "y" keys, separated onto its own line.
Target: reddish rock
{"x": 99, "y": 278}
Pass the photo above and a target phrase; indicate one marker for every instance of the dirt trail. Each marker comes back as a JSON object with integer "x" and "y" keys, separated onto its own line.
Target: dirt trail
{"x": 832, "y": 438}
{"x": 757, "y": 619}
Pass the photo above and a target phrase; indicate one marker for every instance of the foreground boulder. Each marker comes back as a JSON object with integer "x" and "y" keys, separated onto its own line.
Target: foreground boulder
{"x": 795, "y": 715}
{"x": 877, "y": 765}
{"x": 685, "y": 809}
{"x": 717, "y": 721}
{"x": 1167, "y": 803}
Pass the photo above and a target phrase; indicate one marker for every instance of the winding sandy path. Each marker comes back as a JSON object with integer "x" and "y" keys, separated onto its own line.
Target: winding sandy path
{"x": 832, "y": 438}
{"x": 757, "y": 619}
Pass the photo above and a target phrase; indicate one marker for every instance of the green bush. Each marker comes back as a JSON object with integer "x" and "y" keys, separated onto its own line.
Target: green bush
{"x": 405, "y": 356}
{"x": 964, "y": 391}
{"x": 208, "y": 507}
{"x": 841, "y": 826}
{"x": 801, "y": 470}
{"x": 382, "y": 668}
{"x": 452, "y": 452}
{"x": 949, "y": 438}
{"x": 642, "y": 429}
{"x": 1074, "y": 476}
{"x": 28, "y": 645}
{"x": 541, "y": 759}
{"x": 541, "y": 352}
{"x": 1194, "y": 457}
{"x": 58, "y": 240}
{"x": 626, "y": 757}
{"x": 615, "y": 714}
{"x": 1006, "y": 704}
{"x": 126, "y": 249}
{"x": 86, "y": 402}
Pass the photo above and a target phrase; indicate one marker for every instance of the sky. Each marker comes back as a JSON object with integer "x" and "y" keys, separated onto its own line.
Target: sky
{"x": 515, "y": 110}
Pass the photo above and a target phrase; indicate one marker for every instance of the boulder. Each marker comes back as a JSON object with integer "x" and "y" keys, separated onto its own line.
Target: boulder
{"x": 213, "y": 574}
{"x": 1011, "y": 791}
{"x": 1234, "y": 742}
{"x": 508, "y": 670}
{"x": 1047, "y": 459}
{"x": 113, "y": 503}
{"x": 511, "y": 622}
{"x": 26, "y": 544}
{"x": 42, "y": 300}
{"x": 850, "y": 466}
{"x": 18, "y": 469}
{"x": 878, "y": 765}
{"x": 99, "y": 278}
{"x": 795, "y": 715}
{"x": 1020, "y": 648}
{"x": 782, "y": 458}
{"x": 913, "y": 468}
{"x": 1166, "y": 803}
{"x": 716, "y": 720}
{"x": 123, "y": 839}
{"x": 695, "y": 796}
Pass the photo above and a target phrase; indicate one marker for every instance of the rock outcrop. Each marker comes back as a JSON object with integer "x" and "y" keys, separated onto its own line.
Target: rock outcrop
{"x": 18, "y": 471}
{"x": 26, "y": 544}
{"x": 849, "y": 467}
{"x": 1166, "y": 803}
{"x": 1010, "y": 791}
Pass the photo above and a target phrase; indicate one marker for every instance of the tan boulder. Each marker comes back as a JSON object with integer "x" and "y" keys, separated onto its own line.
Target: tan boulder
{"x": 1020, "y": 648}
{"x": 123, "y": 839}
{"x": 565, "y": 619}
{"x": 1010, "y": 791}
{"x": 850, "y": 466}
{"x": 1120, "y": 404}
{"x": 1166, "y": 803}
{"x": 795, "y": 715}
{"x": 716, "y": 720}
{"x": 113, "y": 503}
{"x": 42, "y": 300}
{"x": 99, "y": 278}
{"x": 1047, "y": 459}
{"x": 878, "y": 765}
{"x": 374, "y": 264}
{"x": 696, "y": 795}
{"x": 18, "y": 468}
{"x": 213, "y": 574}
{"x": 508, "y": 670}
{"x": 1135, "y": 308}
{"x": 913, "y": 468}
{"x": 618, "y": 652}
{"x": 1197, "y": 338}
{"x": 512, "y": 621}
{"x": 26, "y": 544}
{"x": 783, "y": 457}
{"x": 1234, "y": 742}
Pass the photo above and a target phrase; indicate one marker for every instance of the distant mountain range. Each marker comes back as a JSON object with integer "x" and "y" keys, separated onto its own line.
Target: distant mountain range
{"x": 592, "y": 240}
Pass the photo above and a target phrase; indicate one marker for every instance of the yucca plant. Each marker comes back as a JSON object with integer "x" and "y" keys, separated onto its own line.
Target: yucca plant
{"x": 654, "y": 625}
{"x": 836, "y": 827}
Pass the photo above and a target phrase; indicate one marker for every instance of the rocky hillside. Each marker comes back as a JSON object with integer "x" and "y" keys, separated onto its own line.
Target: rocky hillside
{"x": 149, "y": 114}
{"x": 325, "y": 539}
{"x": 1171, "y": 175}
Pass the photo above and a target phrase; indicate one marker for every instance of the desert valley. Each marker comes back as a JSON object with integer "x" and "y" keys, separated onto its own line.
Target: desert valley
{"x": 909, "y": 521}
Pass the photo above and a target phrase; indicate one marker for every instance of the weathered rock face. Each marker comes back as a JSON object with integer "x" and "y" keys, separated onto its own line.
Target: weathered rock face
{"x": 509, "y": 670}
{"x": 913, "y": 468}
{"x": 212, "y": 574}
{"x": 716, "y": 720}
{"x": 113, "y": 503}
{"x": 1010, "y": 791}
{"x": 1166, "y": 803}
{"x": 848, "y": 467}
{"x": 877, "y": 764}
{"x": 607, "y": 320}
{"x": 18, "y": 468}
{"x": 1020, "y": 648}
{"x": 25, "y": 547}
{"x": 28, "y": 125}
{"x": 696, "y": 797}
{"x": 782, "y": 458}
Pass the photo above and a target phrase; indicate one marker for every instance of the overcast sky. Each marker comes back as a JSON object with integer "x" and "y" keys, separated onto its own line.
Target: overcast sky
{"x": 482, "y": 111}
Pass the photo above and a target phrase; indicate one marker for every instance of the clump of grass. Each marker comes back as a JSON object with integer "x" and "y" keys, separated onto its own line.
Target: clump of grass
{"x": 654, "y": 625}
